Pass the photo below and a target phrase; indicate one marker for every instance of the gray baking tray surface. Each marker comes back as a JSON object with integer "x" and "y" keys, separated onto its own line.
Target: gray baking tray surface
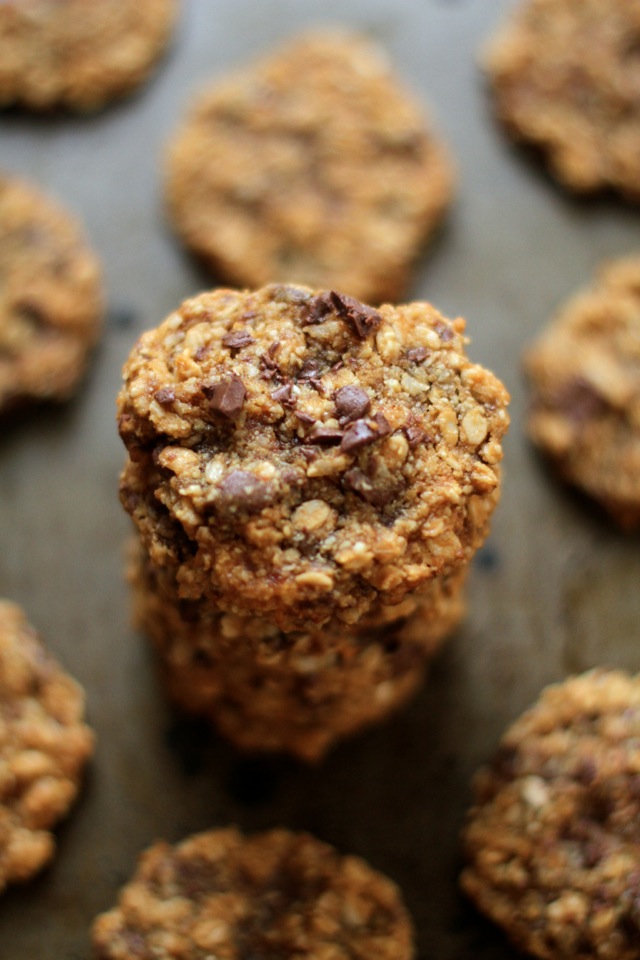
{"x": 554, "y": 591}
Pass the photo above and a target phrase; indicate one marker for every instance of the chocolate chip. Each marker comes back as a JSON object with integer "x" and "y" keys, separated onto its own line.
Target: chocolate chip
{"x": 375, "y": 484}
{"x": 273, "y": 348}
{"x": 317, "y": 309}
{"x": 283, "y": 395}
{"x": 366, "y": 487}
{"x": 268, "y": 367}
{"x": 579, "y": 400}
{"x": 238, "y": 339}
{"x": 227, "y": 396}
{"x": 305, "y": 417}
{"x": 360, "y": 433}
{"x": 444, "y": 331}
{"x": 362, "y": 319}
{"x": 351, "y": 402}
{"x": 310, "y": 370}
{"x": 322, "y": 434}
{"x": 417, "y": 354}
{"x": 414, "y": 435}
{"x": 243, "y": 492}
{"x": 165, "y": 395}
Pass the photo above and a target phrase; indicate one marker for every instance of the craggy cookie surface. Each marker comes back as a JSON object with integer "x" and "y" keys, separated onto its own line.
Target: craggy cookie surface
{"x": 50, "y": 297}
{"x": 302, "y": 456}
{"x": 553, "y": 842}
{"x": 43, "y": 747}
{"x": 78, "y": 53}
{"x": 313, "y": 166}
{"x": 276, "y": 894}
{"x": 566, "y": 78}
{"x": 585, "y": 378}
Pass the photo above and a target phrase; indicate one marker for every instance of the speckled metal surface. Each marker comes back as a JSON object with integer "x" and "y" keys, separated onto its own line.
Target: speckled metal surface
{"x": 554, "y": 591}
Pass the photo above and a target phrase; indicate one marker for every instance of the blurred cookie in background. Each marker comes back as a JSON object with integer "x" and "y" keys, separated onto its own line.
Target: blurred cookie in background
{"x": 44, "y": 745}
{"x": 566, "y": 79}
{"x": 584, "y": 373}
{"x": 79, "y": 54}
{"x": 51, "y": 297}
{"x": 313, "y": 165}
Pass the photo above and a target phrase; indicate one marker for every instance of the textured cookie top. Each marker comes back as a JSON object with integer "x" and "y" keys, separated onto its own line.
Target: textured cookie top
{"x": 300, "y": 455}
{"x": 585, "y": 377}
{"x": 313, "y": 166}
{"x": 50, "y": 296}
{"x": 277, "y": 894}
{"x": 43, "y": 747}
{"x": 553, "y": 842}
{"x": 78, "y": 53}
{"x": 565, "y": 74}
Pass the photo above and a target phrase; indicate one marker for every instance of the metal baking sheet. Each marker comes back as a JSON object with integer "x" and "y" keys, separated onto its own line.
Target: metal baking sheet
{"x": 554, "y": 591}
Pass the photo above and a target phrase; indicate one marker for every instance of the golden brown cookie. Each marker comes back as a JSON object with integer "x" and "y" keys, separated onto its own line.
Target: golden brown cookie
{"x": 313, "y": 166}
{"x": 51, "y": 301}
{"x": 306, "y": 457}
{"x": 584, "y": 372}
{"x": 270, "y": 691}
{"x": 277, "y": 894}
{"x": 565, "y": 77}
{"x": 44, "y": 746}
{"x": 553, "y": 841}
{"x": 79, "y": 54}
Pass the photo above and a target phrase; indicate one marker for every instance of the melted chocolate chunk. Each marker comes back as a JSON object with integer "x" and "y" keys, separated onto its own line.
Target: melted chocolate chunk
{"x": 376, "y": 484}
{"x": 360, "y": 433}
{"x": 268, "y": 367}
{"x": 165, "y": 395}
{"x": 351, "y": 403}
{"x": 226, "y": 397}
{"x": 444, "y": 331}
{"x": 283, "y": 395}
{"x": 243, "y": 492}
{"x": 317, "y": 309}
{"x": 415, "y": 435}
{"x": 579, "y": 400}
{"x": 322, "y": 434}
{"x": 305, "y": 417}
{"x": 238, "y": 339}
{"x": 417, "y": 354}
{"x": 363, "y": 320}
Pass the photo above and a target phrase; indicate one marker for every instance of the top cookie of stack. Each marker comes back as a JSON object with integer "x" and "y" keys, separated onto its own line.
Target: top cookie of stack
{"x": 303, "y": 456}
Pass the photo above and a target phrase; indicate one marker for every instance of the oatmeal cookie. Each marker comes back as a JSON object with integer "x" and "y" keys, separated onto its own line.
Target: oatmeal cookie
{"x": 51, "y": 303}
{"x": 276, "y": 894}
{"x": 565, "y": 76}
{"x": 43, "y": 747}
{"x": 585, "y": 378}
{"x": 553, "y": 842}
{"x": 300, "y": 692}
{"x": 306, "y": 457}
{"x": 313, "y": 166}
{"x": 79, "y": 54}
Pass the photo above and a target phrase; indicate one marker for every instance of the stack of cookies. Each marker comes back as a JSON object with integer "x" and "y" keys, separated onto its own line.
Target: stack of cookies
{"x": 309, "y": 478}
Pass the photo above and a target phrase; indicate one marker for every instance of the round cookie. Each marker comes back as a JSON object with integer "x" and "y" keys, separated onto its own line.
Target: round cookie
{"x": 79, "y": 54}
{"x": 44, "y": 746}
{"x": 51, "y": 301}
{"x": 584, "y": 372}
{"x": 269, "y": 691}
{"x": 306, "y": 457}
{"x": 313, "y": 165}
{"x": 565, "y": 79}
{"x": 553, "y": 843}
{"x": 276, "y": 894}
